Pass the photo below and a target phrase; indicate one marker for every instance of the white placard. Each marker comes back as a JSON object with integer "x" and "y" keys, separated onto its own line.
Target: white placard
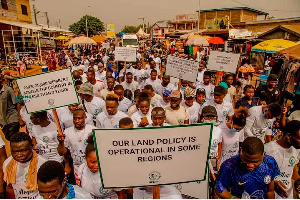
{"x": 125, "y": 54}
{"x": 182, "y": 68}
{"x": 48, "y": 90}
{"x": 222, "y": 61}
{"x": 152, "y": 156}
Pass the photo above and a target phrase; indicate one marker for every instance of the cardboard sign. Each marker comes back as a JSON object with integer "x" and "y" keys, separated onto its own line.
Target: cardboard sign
{"x": 182, "y": 68}
{"x": 152, "y": 156}
{"x": 222, "y": 61}
{"x": 125, "y": 54}
{"x": 48, "y": 90}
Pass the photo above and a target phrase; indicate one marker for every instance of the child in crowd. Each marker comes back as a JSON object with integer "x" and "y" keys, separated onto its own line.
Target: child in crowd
{"x": 248, "y": 100}
{"x": 142, "y": 117}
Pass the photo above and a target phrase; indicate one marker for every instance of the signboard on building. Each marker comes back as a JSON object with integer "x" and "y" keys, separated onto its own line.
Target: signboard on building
{"x": 48, "y": 90}
{"x": 186, "y": 17}
{"x": 182, "y": 68}
{"x": 125, "y": 54}
{"x": 217, "y": 24}
{"x": 111, "y": 30}
{"x": 222, "y": 61}
{"x": 152, "y": 156}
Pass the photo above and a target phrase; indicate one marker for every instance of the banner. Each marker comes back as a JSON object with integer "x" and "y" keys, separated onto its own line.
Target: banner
{"x": 182, "y": 68}
{"x": 48, "y": 90}
{"x": 222, "y": 61}
{"x": 152, "y": 156}
{"x": 110, "y": 30}
{"x": 217, "y": 24}
{"x": 125, "y": 54}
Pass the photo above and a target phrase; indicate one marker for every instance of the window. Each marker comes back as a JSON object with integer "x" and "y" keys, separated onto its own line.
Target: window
{"x": 24, "y": 9}
{"x": 4, "y": 4}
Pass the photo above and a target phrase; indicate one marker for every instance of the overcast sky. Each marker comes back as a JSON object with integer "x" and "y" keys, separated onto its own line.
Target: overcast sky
{"x": 127, "y": 12}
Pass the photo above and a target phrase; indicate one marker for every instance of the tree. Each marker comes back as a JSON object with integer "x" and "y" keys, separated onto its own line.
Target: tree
{"x": 94, "y": 25}
{"x": 131, "y": 29}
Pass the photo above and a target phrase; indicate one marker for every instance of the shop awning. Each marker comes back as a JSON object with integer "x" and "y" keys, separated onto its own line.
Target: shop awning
{"x": 22, "y": 25}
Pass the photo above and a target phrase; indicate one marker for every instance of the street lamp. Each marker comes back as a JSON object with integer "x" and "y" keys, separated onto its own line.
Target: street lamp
{"x": 86, "y": 27}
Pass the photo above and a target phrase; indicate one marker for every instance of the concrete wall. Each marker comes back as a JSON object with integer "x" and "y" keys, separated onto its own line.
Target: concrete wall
{"x": 21, "y": 17}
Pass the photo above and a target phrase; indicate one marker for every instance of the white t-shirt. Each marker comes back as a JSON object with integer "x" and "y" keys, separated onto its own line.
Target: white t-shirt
{"x": 100, "y": 75}
{"x": 105, "y": 92}
{"x": 230, "y": 143}
{"x": 176, "y": 117}
{"x": 124, "y": 105}
{"x": 47, "y": 143}
{"x": 157, "y": 61}
{"x": 149, "y": 71}
{"x": 160, "y": 89}
{"x": 155, "y": 84}
{"x": 193, "y": 112}
{"x": 209, "y": 90}
{"x": 132, "y": 110}
{"x": 257, "y": 125}
{"x": 99, "y": 85}
{"x": 200, "y": 76}
{"x": 91, "y": 183}
{"x": 21, "y": 192}
{"x": 231, "y": 91}
{"x": 286, "y": 159}
{"x": 174, "y": 81}
{"x": 106, "y": 121}
{"x": 295, "y": 115}
{"x": 162, "y": 103}
{"x": 140, "y": 74}
{"x": 136, "y": 117}
{"x": 216, "y": 138}
{"x": 131, "y": 69}
{"x": 154, "y": 100}
{"x": 76, "y": 142}
{"x": 26, "y": 118}
{"x": 227, "y": 98}
{"x": 130, "y": 86}
{"x": 223, "y": 110}
{"x": 95, "y": 106}
{"x": 66, "y": 117}
{"x": 166, "y": 192}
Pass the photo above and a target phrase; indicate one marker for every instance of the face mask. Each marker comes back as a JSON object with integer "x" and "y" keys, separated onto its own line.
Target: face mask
{"x": 264, "y": 115}
{"x": 183, "y": 88}
{"x": 210, "y": 121}
{"x": 127, "y": 66}
{"x": 234, "y": 130}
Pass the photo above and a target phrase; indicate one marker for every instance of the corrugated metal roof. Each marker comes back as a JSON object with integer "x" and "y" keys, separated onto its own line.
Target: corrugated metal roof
{"x": 20, "y": 24}
{"x": 295, "y": 29}
{"x": 162, "y": 23}
{"x": 232, "y": 5}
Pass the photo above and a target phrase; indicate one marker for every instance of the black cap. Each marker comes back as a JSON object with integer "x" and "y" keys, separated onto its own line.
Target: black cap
{"x": 200, "y": 91}
{"x": 209, "y": 111}
{"x": 272, "y": 77}
{"x": 219, "y": 90}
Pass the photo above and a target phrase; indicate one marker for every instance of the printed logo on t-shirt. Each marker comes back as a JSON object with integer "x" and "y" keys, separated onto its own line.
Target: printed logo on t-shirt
{"x": 85, "y": 142}
{"x": 236, "y": 144}
{"x": 97, "y": 111}
{"x": 180, "y": 121}
{"x": 215, "y": 142}
{"x": 224, "y": 113}
{"x": 103, "y": 191}
{"x": 25, "y": 176}
{"x": 45, "y": 139}
{"x": 267, "y": 179}
{"x": 292, "y": 161}
{"x": 116, "y": 126}
{"x": 195, "y": 120}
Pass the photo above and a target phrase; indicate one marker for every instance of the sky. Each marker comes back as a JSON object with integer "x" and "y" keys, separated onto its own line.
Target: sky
{"x": 127, "y": 12}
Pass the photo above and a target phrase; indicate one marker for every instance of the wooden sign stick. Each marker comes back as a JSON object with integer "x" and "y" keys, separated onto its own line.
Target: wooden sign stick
{"x": 156, "y": 192}
{"x": 57, "y": 122}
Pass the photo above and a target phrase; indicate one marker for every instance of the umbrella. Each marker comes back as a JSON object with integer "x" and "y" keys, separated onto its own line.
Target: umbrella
{"x": 82, "y": 40}
{"x": 272, "y": 46}
{"x": 99, "y": 38}
{"x": 61, "y": 37}
{"x": 197, "y": 41}
{"x": 188, "y": 35}
{"x": 291, "y": 52}
{"x": 216, "y": 40}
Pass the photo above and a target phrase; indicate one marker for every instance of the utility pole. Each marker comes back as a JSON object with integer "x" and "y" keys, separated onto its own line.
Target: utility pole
{"x": 59, "y": 23}
{"x": 35, "y": 12}
{"x": 143, "y": 18}
{"x": 46, "y": 14}
{"x": 199, "y": 18}
{"x": 86, "y": 25}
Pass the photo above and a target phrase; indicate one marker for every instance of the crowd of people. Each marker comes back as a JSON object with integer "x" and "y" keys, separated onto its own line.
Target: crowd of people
{"x": 250, "y": 155}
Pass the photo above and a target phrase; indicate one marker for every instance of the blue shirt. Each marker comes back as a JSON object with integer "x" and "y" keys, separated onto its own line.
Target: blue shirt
{"x": 236, "y": 179}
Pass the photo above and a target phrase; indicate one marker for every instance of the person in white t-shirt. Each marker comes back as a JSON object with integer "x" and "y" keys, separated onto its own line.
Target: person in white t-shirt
{"x": 153, "y": 66}
{"x": 86, "y": 63}
{"x": 110, "y": 118}
{"x": 20, "y": 169}
{"x": 153, "y": 97}
{"x": 158, "y": 117}
{"x": 157, "y": 61}
{"x": 295, "y": 115}
{"x": 140, "y": 74}
{"x": 210, "y": 115}
{"x": 110, "y": 88}
{"x": 165, "y": 85}
{"x": 165, "y": 101}
{"x": 126, "y": 122}
{"x": 190, "y": 104}
{"x": 124, "y": 103}
{"x": 224, "y": 109}
{"x": 130, "y": 84}
{"x": 231, "y": 89}
{"x": 152, "y": 80}
{"x": 206, "y": 84}
{"x": 123, "y": 73}
{"x": 89, "y": 175}
{"x": 74, "y": 139}
{"x": 44, "y": 136}
{"x": 100, "y": 73}
{"x": 260, "y": 121}
{"x": 200, "y": 97}
{"x": 93, "y": 105}
{"x": 52, "y": 183}
{"x": 142, "y": 117}
{"x": 97, "y": 85}
{"x": 92, "y": 64}
{"x": 286, "y": 153}
{"x": 201, "y": 70}
{"x": 232, "y": 136}
{"x": 176, "y": 114}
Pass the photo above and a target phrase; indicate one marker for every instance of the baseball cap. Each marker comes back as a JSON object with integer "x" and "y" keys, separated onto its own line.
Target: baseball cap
{"x": 189, "y": 92}
{"x": 200, "y": 91}
{"x": 209, "y": 111}
{"x": 272, "y": 77}
{"x": 167, "y": 93}
{"x": 224, "y": 85}
{"x": 219, "y": 90}
{"x": 86, "y": 88}
{"x": 175, "y": 94}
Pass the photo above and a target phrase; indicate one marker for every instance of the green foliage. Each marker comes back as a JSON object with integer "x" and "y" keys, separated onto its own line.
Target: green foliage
{"x": 95, "y": 26}
{"x": 131, "y": 29}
